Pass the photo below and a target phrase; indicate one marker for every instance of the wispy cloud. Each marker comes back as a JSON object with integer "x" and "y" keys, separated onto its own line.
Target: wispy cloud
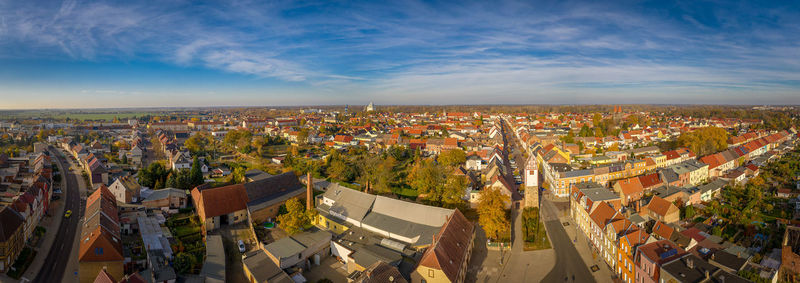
{"x": 521, "y": 50}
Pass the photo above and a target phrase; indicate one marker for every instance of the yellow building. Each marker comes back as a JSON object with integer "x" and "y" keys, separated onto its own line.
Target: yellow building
{"x": 332, "y": 224}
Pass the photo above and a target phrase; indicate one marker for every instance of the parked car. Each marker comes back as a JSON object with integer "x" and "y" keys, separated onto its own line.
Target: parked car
{"x": 242, "y": 249}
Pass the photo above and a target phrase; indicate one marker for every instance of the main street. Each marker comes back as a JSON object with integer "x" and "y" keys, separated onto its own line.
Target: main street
{"x": 59, "y": 254}
{"x": 569, "y": 266}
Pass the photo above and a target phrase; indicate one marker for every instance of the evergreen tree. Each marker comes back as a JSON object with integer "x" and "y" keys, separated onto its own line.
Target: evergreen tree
{"x": 172, "y": 180}
{"x": 196, "y": 175}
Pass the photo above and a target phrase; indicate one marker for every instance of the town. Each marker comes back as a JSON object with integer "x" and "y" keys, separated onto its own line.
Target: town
{"x": 624, "y": 193}
{"x": 400, "y": 141}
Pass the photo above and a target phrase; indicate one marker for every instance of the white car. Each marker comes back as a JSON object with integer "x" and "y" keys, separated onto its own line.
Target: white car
{"x": 241, "y": 246}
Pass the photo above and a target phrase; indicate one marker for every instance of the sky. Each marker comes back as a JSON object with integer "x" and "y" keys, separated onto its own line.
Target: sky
{"x": 95, "y": 54}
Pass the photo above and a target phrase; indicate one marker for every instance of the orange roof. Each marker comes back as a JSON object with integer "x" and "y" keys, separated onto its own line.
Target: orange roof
{"x": 663, "y": 230}
{"x": 649, "y": 180}
{"x": 630, "y": 186}
{"x": 602, "y": 214}
{"x": 660, "y": 206}
{"x": 104, "y": 277}
{"x": 101, "y": 191}
{"x": 220, "y": 201}
{"x": 100, "y": 245}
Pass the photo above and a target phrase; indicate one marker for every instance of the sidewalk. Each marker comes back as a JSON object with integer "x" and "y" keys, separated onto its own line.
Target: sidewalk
{"x": 582, "y": 245}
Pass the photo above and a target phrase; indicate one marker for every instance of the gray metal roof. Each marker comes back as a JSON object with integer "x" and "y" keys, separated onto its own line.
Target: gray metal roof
{"x": 263, "y": 269}
{"x": 369, "y": 254}
{"x": 214, "y": 266}
{"x": 284, "y": 248}
{"x": 411, "y": 212}
{"x": 165, "y": 193}
{"x": 599, "y": 193}
{"x": 310, "y": 239}
{"x": 402, "y": 227}
{"x": 348, "y": 202}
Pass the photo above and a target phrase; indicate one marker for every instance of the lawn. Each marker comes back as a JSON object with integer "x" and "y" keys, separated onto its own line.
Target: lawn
{"x": 406, "y": 192}
{"x": 533, "y": 230}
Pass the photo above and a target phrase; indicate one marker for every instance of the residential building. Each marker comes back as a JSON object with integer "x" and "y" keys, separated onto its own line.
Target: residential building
{"x": 661, "y": 210}
{"x": 100, "y": 246}
{"x": 126, "y": 189}
{"x": 651, "y": 256}
{"x": 11, "y": 237}
{"x": 169, "y": 198}
{"x": 447, "y": 259}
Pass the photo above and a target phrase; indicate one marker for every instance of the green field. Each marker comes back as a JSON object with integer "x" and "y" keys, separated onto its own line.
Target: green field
{"x": 75, "y": 115}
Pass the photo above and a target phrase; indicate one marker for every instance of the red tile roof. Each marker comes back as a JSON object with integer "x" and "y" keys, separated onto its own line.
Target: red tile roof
{"x": 220, "y": 201}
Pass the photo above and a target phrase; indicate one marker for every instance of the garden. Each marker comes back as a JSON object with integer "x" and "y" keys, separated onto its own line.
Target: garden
{"x": 188, "y": 247}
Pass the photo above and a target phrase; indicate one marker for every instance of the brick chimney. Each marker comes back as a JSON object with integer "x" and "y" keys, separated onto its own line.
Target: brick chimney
{"x": 309, "y": 192}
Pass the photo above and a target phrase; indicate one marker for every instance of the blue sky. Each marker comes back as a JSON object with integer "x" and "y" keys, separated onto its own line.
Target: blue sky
{"x": 74, "y": 54}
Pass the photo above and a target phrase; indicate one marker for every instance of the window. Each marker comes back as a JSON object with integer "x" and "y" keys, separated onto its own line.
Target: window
{"x": 98, "y": 251}
{"x": 430, "y": 272}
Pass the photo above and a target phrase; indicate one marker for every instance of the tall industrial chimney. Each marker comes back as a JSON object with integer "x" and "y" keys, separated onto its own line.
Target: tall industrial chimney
{"x": 309, "y": 192}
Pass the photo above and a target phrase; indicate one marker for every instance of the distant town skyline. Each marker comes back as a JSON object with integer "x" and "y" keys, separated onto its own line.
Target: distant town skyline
{"x": 97, "y": 54}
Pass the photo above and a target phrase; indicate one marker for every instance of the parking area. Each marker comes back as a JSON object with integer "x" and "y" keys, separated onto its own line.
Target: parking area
{"x": 233, "y": 258}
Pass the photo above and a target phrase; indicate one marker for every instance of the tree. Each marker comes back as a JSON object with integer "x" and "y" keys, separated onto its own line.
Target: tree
{"x": 302, "y": 136}
{"x": 172, "y": 180}
{"x": 427, "y": 178}
{"x": 295, "y": 218}
{"x": 452, "y": 158}
{"x": 158, "y": 185}
{"x": 705, "y": 141}
{"x": 492, "y": 213}
{"x": 340, "y": 170}
{"x": 184, "y": 262}
{"x": 197, "y": 143}
{"x": 453, "y": 190}
{"x": 689, "y": 212}
{"x": 386, "y": 175}
{"x": 150, "y": 175}
{"x": 585, "y": 131}
{"x": 196, "y": 174}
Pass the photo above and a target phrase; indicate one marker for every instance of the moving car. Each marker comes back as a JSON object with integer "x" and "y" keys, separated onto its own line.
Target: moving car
{"x": 67, "y": 214}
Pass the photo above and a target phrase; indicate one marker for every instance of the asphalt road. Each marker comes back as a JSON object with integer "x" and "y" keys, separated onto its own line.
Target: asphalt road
{"x": 58, "y": 256}
{"x": 569, "y": 265}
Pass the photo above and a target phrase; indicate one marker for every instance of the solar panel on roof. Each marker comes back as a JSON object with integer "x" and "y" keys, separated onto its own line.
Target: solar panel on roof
{"x": 669, "y": 253}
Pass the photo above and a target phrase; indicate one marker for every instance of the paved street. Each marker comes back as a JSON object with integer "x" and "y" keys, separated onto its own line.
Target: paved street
{"x": 570, "y": 267}
{"x": 60, "y": 252}
{"x": 569, "y": 264}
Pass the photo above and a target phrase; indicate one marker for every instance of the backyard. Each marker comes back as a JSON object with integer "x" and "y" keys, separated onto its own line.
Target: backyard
{"x": 188, "y": 247}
